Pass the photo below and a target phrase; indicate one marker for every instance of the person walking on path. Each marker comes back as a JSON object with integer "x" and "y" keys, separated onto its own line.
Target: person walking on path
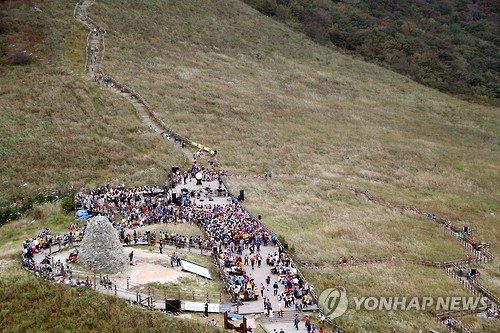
{"x": 307, "y": 321}
{"x": 275, "y": 287}
{"x": 131, "y": 256}
{"x": 296, "y": 322}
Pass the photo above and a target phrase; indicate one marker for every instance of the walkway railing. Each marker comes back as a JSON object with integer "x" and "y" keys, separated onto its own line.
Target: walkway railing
{"x": 194, "y": 296}
{"x": 150, "y": 300}
{"x": 293, "y": 260}
{"x": 430, "y": 263}
{"x": 474, "y": 287}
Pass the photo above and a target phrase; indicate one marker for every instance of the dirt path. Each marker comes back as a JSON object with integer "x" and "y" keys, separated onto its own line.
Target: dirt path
{"x": 94, "y": 60}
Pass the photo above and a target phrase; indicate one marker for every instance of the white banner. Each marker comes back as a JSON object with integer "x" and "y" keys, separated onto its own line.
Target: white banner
{"x": 195, "y": 269}
{"x": 200, "y": 307}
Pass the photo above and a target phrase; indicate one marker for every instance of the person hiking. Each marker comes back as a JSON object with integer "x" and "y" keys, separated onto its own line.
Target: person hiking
{"x": 296, "y": 322}
{"x": 275, "y": 287}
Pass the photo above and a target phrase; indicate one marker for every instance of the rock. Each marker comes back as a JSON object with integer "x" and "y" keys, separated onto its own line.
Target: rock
{"x": 101, "y": 250}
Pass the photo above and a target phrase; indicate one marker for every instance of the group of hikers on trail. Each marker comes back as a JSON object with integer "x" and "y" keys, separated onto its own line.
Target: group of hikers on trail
{"x": 235, "y": 237}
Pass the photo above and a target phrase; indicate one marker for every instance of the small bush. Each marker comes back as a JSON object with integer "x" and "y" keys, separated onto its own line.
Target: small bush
{"x": 9, "y": 214}
{"x": 67, "y": 204}
{"x": 281, "y": 239}
{"x": 19, "y": 58}
{"x": 37, "y": 213}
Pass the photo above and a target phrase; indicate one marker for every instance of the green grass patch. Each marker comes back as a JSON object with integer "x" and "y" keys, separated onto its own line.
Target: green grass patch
{"x": 29, "y": 302}
{"x": 48, "y": 216}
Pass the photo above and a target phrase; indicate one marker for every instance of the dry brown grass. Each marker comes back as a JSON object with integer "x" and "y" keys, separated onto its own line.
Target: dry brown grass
{"x": 309, "y": 114}
{"x": 59, "y": 130}
{"x": 490, "y": 276}
{"x": 312, "y": 115}
{"x": 347, "y": 225}
{"x": 480, "y": 324}
{"x": 401, "y": 280}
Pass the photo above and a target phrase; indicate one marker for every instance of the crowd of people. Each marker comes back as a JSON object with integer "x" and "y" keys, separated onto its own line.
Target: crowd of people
{"x": 137, "y": 205}
{"x": 296, "y": 292}
{"x": 145, "y": 205}
{"x": 229, "y": 229}
{"x": 233, "y": 235}
{"x": 45, "y": 239}
{"x": 57, "y": 271}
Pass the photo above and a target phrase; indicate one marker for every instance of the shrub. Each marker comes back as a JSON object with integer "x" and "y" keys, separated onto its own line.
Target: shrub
{"x": 67, "y": 204}
{"x": 19, "y": 58}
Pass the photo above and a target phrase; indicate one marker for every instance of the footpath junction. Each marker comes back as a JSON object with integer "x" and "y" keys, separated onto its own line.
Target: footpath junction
{"x": 113, "y": 231}
{"x": 110, "y": 232}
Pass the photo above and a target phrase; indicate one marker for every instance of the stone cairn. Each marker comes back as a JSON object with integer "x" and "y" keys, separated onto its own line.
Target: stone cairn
{"x": 101, "y": 250}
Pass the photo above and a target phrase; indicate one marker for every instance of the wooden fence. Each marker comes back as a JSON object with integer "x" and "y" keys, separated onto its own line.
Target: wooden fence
{"x": 160, "y": 293}
{"x": 474, "y": 287}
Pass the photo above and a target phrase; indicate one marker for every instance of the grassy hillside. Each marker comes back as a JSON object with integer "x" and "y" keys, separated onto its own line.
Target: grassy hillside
{"x": 29, "y": 304}
{"x": 450, "y": 45}
{"x": 268, "y": 99}
{"x": 392, "y": 280}
{"x": 56, "y": 128}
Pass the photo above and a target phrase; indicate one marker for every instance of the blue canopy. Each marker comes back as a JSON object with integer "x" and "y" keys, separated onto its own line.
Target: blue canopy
{"x": 82, "y": 214}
